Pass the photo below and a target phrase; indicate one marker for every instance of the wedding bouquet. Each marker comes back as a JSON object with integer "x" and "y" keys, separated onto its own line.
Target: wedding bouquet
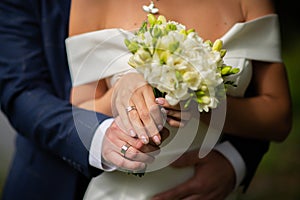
{"x": 179, "y": 64}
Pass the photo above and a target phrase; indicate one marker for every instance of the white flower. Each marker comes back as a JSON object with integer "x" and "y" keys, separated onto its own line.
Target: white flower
{"x": 179, "y": 63}
{"x": 193, "y": 79}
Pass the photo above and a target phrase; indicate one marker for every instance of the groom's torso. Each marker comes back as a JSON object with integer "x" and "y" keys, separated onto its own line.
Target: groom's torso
{"x": 54, "y": 18}
{"x": 34, "y": 167}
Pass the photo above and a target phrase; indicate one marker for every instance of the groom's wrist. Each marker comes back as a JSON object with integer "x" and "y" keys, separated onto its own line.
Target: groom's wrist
{"x": 235, "y": 159}
{"x": 95, "y": 156}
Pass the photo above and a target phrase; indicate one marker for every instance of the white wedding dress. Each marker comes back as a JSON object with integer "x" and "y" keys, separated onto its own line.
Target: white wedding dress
{"x": 101, "y": 54}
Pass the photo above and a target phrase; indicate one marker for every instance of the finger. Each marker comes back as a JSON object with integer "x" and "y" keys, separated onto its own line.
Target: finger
{"x": 136, "y": 155}
{"x": 154, "y": 108}
{"x": 152, "y": 148}
{"x": 158, "y": 115}
{"x": 181, "y": 115}
{"x": 115, "y": 133}
{"x": 175, "y": 123}
{"x": 177, "y": 117}
{"x": 137, "y": 124}
{"x": 147, "y": 120}
{"x": 111, "y": 153}
{"x": 163, "y": 102}
{"x": 124, "y": 145}
{"x": 135, "y": 150}
{"x": 117, "y": 160}
{"x": 121, "y": 96}
{"x": 124, "y": 121}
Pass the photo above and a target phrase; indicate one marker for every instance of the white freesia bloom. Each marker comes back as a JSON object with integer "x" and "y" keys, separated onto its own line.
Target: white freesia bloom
{"x": 179, "y": 63}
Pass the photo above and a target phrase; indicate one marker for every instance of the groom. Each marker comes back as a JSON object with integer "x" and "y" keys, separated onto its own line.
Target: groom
{"x": 51, "y": 160}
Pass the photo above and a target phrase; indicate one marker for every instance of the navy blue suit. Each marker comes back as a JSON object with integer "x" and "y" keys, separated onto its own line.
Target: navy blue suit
{"x": 51, "y": 161}
{"x": 52, "y": 145}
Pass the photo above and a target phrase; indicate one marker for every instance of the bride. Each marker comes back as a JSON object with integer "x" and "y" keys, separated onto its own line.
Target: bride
{"x": 98, "y": 61}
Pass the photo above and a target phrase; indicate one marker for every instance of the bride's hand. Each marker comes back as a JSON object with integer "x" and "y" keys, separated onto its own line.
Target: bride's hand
{"x": 176, "y": 115}
{"x": 134, "y": 102}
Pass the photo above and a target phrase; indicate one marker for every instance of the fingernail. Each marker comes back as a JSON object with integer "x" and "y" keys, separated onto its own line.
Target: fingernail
{"x": 163, "y": 110}
{"x": 156, "y": 140}
{"x": 160, "y": 101}
{"x": 160, "y": 127}
{"x": 144, "y": 139}
{"x": 132, "y": 133}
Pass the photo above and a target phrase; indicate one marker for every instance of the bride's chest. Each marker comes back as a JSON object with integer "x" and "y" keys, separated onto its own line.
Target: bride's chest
{"x": 210, "y": 20}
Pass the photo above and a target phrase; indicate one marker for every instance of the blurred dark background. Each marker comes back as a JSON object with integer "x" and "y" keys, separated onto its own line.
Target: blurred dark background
{"x": 278, "y": 176}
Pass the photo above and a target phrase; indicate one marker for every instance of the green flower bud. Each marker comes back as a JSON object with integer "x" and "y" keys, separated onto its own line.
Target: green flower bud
{"x": 171, "y": 27}
{"x": 143, "y": 28}
{"x": 161, "y": 19}
{"x": 203, "y": 88}
{"x": 132, "y": 46}
{"x": 190, "y": 31}
{"x": 200, "y": 93}
{"x": 223, "y": 52}
{"x": 217, "y": 46}
{"x": 151, "y": 19}
{"x": 164, "y": 57}
{"x": 131, "y": 62}
{"x": 225, "y": 70}
{"x": 183, "y": 32}
{"x": 127, "y": 42}
{"x": 144, "y": 55}
{"x": 234, "y": 70}
{"x": 205, "y": 100}
{"x": 208, "y": 42}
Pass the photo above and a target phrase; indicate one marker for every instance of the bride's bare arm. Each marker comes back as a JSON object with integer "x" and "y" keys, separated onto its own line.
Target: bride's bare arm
{"x": 267, "y": 112}
{"x": 266, "y": 115}
{"x": 94, "y": 96}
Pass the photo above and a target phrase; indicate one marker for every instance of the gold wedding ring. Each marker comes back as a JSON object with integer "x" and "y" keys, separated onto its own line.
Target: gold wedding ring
{"x": 124, "y": 149}
{"x": 130, "y": 108}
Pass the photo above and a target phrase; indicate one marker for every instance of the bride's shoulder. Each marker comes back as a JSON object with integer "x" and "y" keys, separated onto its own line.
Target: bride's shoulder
{"x": 256, "y": 8}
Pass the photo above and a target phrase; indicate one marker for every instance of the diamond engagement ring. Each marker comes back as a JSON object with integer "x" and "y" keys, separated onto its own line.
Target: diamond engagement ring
{"x": 130, "y": 108}
{"x": 124, "y": 148}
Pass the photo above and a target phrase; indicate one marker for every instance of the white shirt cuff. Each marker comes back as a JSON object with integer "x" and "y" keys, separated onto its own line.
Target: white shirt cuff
{"x": 95, "y": 156}
{"x": 236, "y": 160}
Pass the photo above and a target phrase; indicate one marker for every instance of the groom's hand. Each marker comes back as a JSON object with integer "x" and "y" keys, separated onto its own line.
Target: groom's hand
{"x": 125, "y": 152}
{"x": 121, "y": 150}
{"x": 151, "y": 147}
{"x": 214, "y": 178}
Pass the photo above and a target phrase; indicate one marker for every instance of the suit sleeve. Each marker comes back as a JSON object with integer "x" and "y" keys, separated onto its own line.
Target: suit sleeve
{"x": 28, "y": 94}
{"x": 252, "y": 152}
